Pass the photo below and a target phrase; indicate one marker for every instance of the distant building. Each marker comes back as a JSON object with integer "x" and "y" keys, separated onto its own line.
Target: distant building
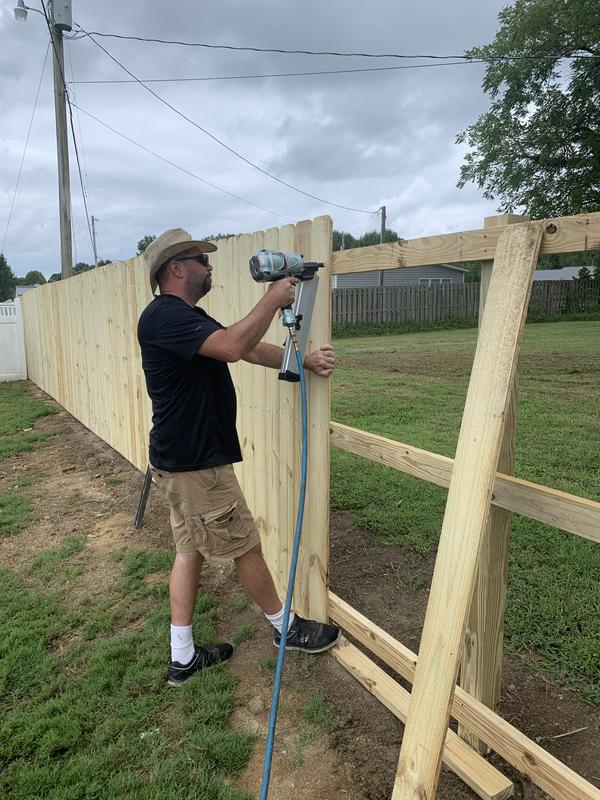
{"x": 20, "y": 290}
{"x": 562, "y": 274}
{"x": 411, "y": 276}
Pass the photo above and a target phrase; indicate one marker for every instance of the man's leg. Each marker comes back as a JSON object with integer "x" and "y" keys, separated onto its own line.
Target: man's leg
{"x": 183, "y": 587}
{"x": 306, "y": 635}
{"x": 256, "y": 579}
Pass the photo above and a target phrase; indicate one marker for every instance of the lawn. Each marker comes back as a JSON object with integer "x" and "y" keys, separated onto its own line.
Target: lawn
{"x": 85, "y": 712}
{"x": 412, "y": 388}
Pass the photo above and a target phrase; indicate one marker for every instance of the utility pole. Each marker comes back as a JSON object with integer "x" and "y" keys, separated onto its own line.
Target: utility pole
{"x": 382, "y": 239}
{"x": 61, "y": 20}
{"x": 94, "y": 220}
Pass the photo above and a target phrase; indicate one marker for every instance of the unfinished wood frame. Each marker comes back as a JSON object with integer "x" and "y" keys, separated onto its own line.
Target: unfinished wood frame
{"x": 422, "y": 746}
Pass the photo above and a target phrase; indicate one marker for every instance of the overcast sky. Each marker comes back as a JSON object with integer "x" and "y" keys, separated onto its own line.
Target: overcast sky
{"x": 361, "y": 140}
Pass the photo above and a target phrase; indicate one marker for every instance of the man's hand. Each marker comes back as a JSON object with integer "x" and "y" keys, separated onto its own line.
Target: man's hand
{"x": 282, "y": 291}
{"x": 320, "y": 361}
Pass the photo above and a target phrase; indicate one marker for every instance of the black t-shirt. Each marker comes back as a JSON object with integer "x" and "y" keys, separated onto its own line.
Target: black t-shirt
{"x": 193, "y": 398}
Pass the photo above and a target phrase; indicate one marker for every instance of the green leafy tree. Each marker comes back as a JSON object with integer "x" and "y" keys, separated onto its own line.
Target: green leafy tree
{"x": 33, "y": 276}
{"x": 366, "y": 240}
{"x": 56, "y": 276}
{"x": 584, "y": 274}
{"x": 538, "y": 146}
{"x": 144, "y": 242}
{"x": 7, "y": 280}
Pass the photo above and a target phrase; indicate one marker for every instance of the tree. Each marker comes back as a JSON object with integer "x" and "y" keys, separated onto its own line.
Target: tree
{"x": 366, "y": 240}
{"x": 144, "y": 242}
{"x": 7, "y": 280}
{"x": 56, "y": 276}
{"x": 584, "y": 274}
{"x": 538, "y": 146}
{"x": 33, "y": 276}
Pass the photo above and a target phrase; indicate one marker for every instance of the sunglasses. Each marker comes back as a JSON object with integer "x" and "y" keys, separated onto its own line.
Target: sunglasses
{"x": 201, "y": 258}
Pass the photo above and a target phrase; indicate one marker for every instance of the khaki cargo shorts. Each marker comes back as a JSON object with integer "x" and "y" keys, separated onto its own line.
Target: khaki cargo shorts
{"x": 208, "y": 512}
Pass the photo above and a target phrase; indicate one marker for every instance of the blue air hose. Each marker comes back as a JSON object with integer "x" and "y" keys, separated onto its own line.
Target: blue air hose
{"x": 291, "y": 580}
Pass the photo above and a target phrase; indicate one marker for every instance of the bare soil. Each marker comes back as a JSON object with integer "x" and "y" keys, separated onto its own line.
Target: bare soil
{"x": 357, "y": 759}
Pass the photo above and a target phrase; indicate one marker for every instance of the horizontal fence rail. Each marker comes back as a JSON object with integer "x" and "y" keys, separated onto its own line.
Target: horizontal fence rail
{"x": 384, "y": 304}
{"x": 563, "y": 235}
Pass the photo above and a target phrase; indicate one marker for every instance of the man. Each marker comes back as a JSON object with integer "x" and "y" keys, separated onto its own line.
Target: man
{"x": 194, "y": 443}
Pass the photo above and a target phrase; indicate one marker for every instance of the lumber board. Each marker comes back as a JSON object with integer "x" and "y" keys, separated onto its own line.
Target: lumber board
{"x": 485, "y": 780}
{"x": 568, "y": 512}
{"x": 483, "y": 639}
{"x": 467, "y": 509}
{"x": 561, "y": 235}
{"x": 542, "y": 768}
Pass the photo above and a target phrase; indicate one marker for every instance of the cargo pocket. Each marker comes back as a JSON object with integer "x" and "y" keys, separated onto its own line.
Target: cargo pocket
{"x": 225, "y": 529}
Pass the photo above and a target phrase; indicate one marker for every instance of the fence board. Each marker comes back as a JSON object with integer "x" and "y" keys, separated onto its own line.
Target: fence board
{"x": 81, "y": 345}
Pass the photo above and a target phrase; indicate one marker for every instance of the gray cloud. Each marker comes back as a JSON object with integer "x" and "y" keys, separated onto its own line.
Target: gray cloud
{"x": 360, "y": 140}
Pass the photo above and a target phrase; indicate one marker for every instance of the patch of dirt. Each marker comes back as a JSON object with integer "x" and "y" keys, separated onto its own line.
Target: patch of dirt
{"x": 357, "y": 761}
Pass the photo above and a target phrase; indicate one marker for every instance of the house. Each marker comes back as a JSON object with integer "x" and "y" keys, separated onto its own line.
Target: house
{"x": 411, "y": 276}
{"x": 20, "y": 290}
{"x": 563, "y": 274}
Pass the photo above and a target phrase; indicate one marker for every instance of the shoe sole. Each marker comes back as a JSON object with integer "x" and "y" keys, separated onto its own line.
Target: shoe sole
{"x": 175, "y": 684}
{"x": 311, "y": 652}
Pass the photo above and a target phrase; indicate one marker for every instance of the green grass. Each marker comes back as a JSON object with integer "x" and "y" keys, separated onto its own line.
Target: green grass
{"x": 18, "y": 411}
{"x": 240, "y": 604}
{"x": 16, "y": 512}
{"x": 46, "y": 564}
{"x": 244, "y": 634}
{"x": 412, "y": 388}
{"x": 91, "y": 715}
{"x": 318, "y": 712}
{"x": 113, "y": 480}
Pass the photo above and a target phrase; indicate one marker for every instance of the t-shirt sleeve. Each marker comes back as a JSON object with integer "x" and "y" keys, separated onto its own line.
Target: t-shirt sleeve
{"x": 181, "y": 330}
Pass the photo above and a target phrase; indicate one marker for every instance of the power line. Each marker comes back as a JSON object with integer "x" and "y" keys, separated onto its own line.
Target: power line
{"x": 327, "y": 52}
{"x": 35, "y": 102}
{"x": 287, "y": 74}
{"x": 177, "y": 166}
{"x": 218, "y": 141}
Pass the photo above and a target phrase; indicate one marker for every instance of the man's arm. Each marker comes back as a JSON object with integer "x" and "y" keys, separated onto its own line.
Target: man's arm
{"x": 320, "y": 361}
{"x": 242, "y": 337}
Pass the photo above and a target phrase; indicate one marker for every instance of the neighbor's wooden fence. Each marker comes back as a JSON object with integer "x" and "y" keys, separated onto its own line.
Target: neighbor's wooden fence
{"x": 381, "y": 304}
{"x": 82, "y": 349}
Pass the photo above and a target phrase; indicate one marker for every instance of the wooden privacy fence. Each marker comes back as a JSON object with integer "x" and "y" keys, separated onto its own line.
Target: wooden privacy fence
{"x": 81, "y": 349}
{"x": 380, "y": 304}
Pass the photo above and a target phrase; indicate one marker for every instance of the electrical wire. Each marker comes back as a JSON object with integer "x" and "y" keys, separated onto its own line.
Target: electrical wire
{"x": 35, "y": 102}
{"x": 219, "y": 141}
{"x": 287, "y": 74}
{"x": 177, "y": 166}
{"x": 539, "y": 56}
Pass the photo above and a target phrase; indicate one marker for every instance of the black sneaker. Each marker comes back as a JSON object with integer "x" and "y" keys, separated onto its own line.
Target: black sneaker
{"x": 309, "y": 636}
{"x": 203, "y": 657}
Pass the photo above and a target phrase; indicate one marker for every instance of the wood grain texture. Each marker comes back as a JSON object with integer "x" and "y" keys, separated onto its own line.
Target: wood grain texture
{"x": 542, "y": 768}
{"x": 483, "y": 640}
{"x": 466, "y": 512}
{"x": 482, "y": 777}
{"x": 82, "y": 349}
{"x": 562, "y": 235}
{"x": 573, "y": 514}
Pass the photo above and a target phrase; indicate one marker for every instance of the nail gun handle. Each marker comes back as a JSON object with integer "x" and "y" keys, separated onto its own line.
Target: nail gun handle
{"x": 288, "y": 317}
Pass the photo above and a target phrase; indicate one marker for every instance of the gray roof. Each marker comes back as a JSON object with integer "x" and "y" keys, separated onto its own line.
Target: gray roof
{"x": 562, "y": 274}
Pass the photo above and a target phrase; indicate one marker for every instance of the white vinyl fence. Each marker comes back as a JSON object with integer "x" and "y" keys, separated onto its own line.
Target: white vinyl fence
{"x": 12, "y": 343}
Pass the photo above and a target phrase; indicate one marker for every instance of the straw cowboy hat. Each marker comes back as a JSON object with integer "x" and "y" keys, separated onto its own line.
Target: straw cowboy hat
{"x": 169, "y": 244}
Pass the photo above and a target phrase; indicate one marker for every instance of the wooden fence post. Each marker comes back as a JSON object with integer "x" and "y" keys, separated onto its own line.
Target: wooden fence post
{"x": 481, "y": 666}
{"x": 467, "y": 509}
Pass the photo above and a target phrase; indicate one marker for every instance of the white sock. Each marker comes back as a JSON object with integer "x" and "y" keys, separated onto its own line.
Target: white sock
{"x": 276, "y": 620}
{"x": 182, "y": 643}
